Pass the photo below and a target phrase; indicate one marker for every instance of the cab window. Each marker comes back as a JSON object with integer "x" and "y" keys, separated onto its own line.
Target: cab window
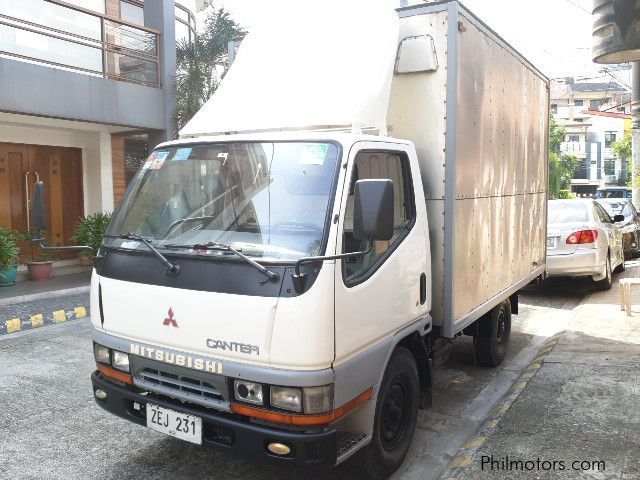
{"x": 378, "y": 165}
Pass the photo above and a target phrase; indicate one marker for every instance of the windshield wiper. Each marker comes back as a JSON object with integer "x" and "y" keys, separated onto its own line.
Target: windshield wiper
{"x": 274, "y": 277}
{"x": 172, "y": 268}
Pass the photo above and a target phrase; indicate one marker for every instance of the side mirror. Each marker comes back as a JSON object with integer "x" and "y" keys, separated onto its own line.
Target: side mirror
{"x": 373, "y": 210}
{"x": 38, "y": 214}
{"x": 618, "y": 218}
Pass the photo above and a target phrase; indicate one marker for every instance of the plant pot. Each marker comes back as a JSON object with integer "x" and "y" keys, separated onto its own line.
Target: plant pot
{"x": 8, "y": 276}
{"x": 40, "y": 271}
{"x": 86, "y": 260}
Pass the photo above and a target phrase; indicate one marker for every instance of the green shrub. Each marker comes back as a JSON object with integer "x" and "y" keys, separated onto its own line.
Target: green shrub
{"x": 90, "y": 230}
{"x": 9, "y": 249}
{"x": 565, "y": 194}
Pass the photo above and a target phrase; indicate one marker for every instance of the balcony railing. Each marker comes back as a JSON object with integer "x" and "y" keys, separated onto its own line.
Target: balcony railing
{"x": 69, "y": 37}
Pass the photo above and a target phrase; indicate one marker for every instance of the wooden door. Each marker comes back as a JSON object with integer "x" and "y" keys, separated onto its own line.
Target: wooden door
{"x": 61, "y": 171}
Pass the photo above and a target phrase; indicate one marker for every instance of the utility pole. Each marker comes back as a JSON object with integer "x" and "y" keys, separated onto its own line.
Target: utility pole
{"x": 635, "y": 135}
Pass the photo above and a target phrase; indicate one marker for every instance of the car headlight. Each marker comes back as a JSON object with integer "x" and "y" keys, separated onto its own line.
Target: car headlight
{"x": 101, "y": 354}
{"x": 249, "y": 392}
{"x": 318, "y": 399}
{"x": 287, "y": 398}
{"x": 120, "y": 361}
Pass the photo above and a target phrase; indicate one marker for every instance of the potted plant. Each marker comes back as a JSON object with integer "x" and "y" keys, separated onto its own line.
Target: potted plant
{"x": 9, "y": 253}
{"x": 40, "y": 264}
{"x": 89, "y": 231}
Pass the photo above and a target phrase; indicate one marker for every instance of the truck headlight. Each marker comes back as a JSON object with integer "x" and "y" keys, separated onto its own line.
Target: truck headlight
{"x": 287, "y": 398}
{"x": 101, "y": 354}
{"x": 120, "y": 361}
{"x": 318, "y": 399}
{"x": 248, "y": 392}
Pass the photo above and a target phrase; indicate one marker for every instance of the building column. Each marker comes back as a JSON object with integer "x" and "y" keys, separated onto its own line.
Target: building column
{"x": 161, "y": 15}
{"x": 106, "y": 173}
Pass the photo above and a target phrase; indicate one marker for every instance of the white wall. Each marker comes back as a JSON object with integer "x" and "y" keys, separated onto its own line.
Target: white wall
{"x": 96, "y": 161}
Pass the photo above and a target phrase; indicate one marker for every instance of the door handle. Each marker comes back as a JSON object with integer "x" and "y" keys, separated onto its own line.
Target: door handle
{"x": 423, "y": 288}
{"x": 27, "y": 202}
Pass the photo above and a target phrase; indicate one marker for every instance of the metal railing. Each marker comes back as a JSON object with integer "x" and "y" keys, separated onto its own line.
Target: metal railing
{"x": 120, "y": 50}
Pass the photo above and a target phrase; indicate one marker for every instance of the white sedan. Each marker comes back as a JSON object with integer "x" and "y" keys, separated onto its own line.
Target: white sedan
{"x": 582, "y": 241}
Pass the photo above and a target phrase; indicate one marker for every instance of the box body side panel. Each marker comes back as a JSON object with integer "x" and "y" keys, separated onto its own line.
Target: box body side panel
{"x": 501, "y": 171}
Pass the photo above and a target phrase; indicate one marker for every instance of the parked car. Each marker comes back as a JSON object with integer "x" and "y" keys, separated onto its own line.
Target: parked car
{"x": 630, "y": 226}
{"x": 613, "y": 192}
{"x": 583, "y": 241}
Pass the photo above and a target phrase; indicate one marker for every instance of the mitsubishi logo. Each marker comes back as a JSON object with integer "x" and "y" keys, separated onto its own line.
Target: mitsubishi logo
{"x": 170, "y": 320}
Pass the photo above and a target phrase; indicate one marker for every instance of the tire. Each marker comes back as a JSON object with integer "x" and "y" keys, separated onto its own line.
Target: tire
{"x": 491, "y": 343}
{"x": 607, "y": 281}
{"x": 620, "y": 268}
{"x": 395, "y": 419}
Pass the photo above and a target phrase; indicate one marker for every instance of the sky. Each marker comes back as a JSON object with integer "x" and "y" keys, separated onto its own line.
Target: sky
{"x": 555, "y": 35}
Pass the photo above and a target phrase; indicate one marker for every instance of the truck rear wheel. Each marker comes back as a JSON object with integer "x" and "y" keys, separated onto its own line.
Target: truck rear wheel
{"x": 494, "y": 332}
{"x": 395, "y": 419}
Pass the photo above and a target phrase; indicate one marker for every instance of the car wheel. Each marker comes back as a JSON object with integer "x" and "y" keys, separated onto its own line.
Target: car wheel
{"x": 607, "y": 281}
{"x": 395, "y": 419}
{"x": 491, "y": 343}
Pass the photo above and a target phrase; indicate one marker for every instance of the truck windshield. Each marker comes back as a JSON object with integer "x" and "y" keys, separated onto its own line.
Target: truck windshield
{"x": 267, "y": 200}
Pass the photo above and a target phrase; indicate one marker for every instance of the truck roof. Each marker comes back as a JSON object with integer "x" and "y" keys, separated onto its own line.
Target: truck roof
{"x": 344, "y": 138}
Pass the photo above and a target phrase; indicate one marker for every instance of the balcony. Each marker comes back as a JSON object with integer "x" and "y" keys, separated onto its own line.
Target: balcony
{"x": 68, "y": 37}
{"x": 574, "y": 148}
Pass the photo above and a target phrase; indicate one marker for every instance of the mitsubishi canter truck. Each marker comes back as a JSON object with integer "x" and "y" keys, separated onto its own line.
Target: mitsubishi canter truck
{"x": 366, "y": 185}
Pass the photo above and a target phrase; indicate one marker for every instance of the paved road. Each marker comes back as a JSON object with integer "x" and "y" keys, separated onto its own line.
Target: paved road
{"x": 51, "y": 428}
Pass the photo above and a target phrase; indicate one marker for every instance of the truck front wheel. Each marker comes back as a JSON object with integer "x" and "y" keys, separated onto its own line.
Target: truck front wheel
{"x": 395, "y": 419}
{"x": 494, "y": 332}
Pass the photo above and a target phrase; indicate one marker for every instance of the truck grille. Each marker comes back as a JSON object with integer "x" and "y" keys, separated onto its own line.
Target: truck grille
{"x": 182, "y": 388}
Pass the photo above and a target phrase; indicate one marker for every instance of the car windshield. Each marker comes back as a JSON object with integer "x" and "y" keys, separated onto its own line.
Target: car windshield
{"x": 616, "y": 208}
{"x": 566, "y": 212}
{"x": 267, "y": 200}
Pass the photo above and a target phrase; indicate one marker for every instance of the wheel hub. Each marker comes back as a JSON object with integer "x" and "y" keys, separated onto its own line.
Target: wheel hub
{"x": 394, "y": 417}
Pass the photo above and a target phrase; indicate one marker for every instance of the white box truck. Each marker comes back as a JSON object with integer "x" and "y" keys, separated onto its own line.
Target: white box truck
{"x": 279, "y": 282}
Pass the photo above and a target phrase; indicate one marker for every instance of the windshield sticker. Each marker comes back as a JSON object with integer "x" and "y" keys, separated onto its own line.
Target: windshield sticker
{"x": 156, "y": 160}
{"x": 203, "y": 170}
{"x": 182, "y": 154}
{"x": 130, "y": 245}
{"x": 314, "y": 154}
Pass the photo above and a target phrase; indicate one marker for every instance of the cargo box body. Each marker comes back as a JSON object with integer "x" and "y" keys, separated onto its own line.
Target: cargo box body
{"x": 477, "y": 112}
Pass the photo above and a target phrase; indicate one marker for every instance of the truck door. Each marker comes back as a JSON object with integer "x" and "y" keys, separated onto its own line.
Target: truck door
{"x": 389, "y": 288}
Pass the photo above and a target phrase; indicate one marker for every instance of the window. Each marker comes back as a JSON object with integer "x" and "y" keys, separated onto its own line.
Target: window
{"x": 378, "y": 165}
{"x": 602, "y": 214}
{"x": 566, "y": 211}
{"x": 609, "y": 138}
{"x": 595, "y": 104}
{"x": 609, "y": 167}
{"x": 132, "y": 13}
{"x": 554, "y": 108}
{"x": 578, "y": 103}
{"x": 573, "y": 138}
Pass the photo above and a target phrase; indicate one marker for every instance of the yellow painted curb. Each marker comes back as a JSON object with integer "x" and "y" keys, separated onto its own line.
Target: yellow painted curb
{"x": 80, "y": 312}
{"x": 37, "y": 321}
{"x": 59, "y": 316}
{"x": 475, "y": 442}
{"x": 460, "y": 462}
{"x": 13, "y": 325}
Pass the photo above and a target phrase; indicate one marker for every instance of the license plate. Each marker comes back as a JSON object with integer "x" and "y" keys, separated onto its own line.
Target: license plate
{"x": 176, "y": 424}
{"x": 551, "y": 242}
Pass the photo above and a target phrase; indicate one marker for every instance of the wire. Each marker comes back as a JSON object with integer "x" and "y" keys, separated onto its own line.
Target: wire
{"x": 571, "y": 2}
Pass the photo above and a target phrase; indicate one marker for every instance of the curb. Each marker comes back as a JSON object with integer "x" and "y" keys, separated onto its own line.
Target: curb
{"x": 38, "y": 320}
{"x": 463, "y": 459}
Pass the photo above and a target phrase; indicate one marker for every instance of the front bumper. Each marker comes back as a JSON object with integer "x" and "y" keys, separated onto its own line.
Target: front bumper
{"x": 225, "y": 433}
{"x": 581, "y": 263}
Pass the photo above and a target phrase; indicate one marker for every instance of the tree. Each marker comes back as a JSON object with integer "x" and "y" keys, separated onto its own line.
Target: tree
{"x": 561, "y": 165}
{"x": 202, "y": 64}
{"x": 623, "y": 150}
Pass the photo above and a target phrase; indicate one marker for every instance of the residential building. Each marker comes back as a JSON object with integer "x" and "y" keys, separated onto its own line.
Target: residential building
{"x": 594, "y": 114}
{"x": 86, "y": 87}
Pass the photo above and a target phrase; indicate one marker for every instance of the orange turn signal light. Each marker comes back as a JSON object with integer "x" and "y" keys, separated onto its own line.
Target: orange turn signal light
{"x": 115, "y": 374}
{"x": 302, "y": 420}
